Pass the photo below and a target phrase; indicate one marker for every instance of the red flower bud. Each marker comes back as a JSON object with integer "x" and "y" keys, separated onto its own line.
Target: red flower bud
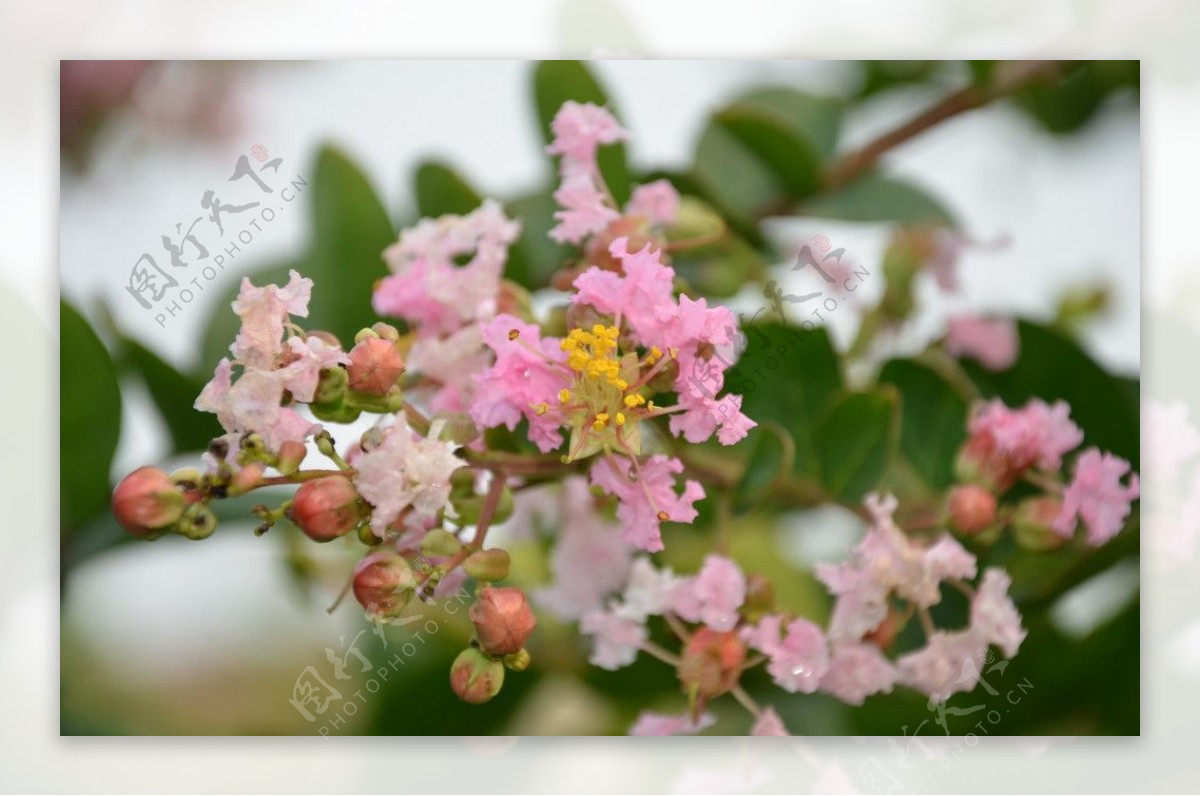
{"x": 375, "y": 365}
{"x": 147, "y": 500}
{"x": 971, "y": 508}
{"x": 475, "y": 677}
{"x": 383, "y": 584}
{"x": 503, "y": 619}
{"x": 712, "y": 662}
{"x": 291, "y": 454}
{"x": 326, "y": 508}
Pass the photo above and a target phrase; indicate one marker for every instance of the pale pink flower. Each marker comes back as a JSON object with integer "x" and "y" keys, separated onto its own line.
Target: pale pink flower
{"x": 661, "y": 724}
{"x": 615, "y": 639}
{"x": 712, "y": 596}
{"x": 768, "y": 723}
{"x": 798, "y": 658}
{"x": 579, "y": 129}
{"x": 427, "y": 287}
{"x": 252, "y": 403}
{"x": 407, "y": 471}
{"x": 949, "y": 663}
{"x": 1171, "y": 439}
{"x": 590, "y": 559}
{"x": 704, "y": 415}
{"x": 886, "y": 561}
{"x": 1036, "y": 433}
{"x": 528, "y": 372}
{"x": 264, "y": 312}
{"x": 452, "y": 362}
{"x": 586, "y": 210}
{"x": 856, "y": 671}
{"x": 993, "y": 615}
{"x": 993, "y": 342}
{"x": 647, "y": 497}
{"x": 950, "y": 246}
{"x": 1097, "y": 496}
{"x": 306, "y": 358}
{"x": 648, "y": 590}
{"x": 656, "y": 201}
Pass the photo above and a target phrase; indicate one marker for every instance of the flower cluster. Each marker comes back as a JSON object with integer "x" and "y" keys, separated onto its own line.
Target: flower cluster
{"x": 482, "y": 408}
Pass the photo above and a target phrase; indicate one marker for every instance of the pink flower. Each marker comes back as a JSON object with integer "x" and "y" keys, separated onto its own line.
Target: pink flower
{"x": 768, "y": 723}
{"x": 648, "y": 590}
{"x": 585, "y": 210}
{"x": 713, "y": 596}
{"x": 452, "y": 362}
{"x": 949, "y": 663}
{"x": 639, "y": 295}
{"x": 705, "y": 415}
{"x": 1097, "y": 495}
{"x": 578, "y": 130}
{"x": 407, "y": 471}
{"x": 252, "y": 403}
{"x": 856, "y": 671}
{"x": 615, "y": 639}
{"x": 1036, "y": 433}
{"x": 263, "y": 311}
{"x": 646, "y": 499}
{"x": 527, "y": 372}
{"x": 949, "y": 246}
{"x": 886, "y": 561}
{"x": 305, "y": 360}
{"x": 590, "y": 560}
{"x": 656, "y": 201}
{"x": 992, "y": 342}
{"x": 427, "y": 287}
{"x": 661, "y": 724}
{"x": 993, "y": 615}
{"x": 798, "y": 660}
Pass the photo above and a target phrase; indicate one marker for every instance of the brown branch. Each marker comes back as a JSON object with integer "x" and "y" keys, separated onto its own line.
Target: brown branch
{"x": 1010, "y": 77}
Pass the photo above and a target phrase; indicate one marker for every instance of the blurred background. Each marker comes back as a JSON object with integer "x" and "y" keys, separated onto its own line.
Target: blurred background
{"x": 212, "y": 638}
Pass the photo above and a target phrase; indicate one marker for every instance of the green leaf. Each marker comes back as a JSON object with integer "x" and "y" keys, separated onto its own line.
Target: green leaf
{"x": 855, "y": 444}
{"x": 90, "y": 419}
{"x": 720, "y": 267}
{"x": 556, "y": 82}
{"x": 741, "y": 185}
{"x": 351, "y": 230}
{"x": 440, "y": 190}
{"x": 771, "y": 455}
{"x": 933, "y": 419}
{"x": 816, "y": 119}
{"x": 793, "y": 159}
{"x": 1051, "y": 366}
{"x": 789, "y": 376}
{"x": 872, "y": 197}
{"x": 534, "y": 256}
{"x": 173, "y": 393}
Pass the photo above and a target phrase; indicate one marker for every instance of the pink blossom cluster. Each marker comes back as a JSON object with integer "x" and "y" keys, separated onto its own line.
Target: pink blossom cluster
{"x": 1006, "y": 444}
{"x": 275, "y": 360}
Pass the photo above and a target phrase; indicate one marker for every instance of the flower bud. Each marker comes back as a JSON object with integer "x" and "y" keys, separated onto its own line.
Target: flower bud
{"x": 291, "y": 454}
{"x": 246, "y": 479}
{"x": 470, "y": 508}
{"x": 711, "y": 662}
{"x": 518, "y": 661}
{"x": 440, "y": 543}
{"x": 331, "y": 386}
{"x": 383, "y": 583}
{"x": 487, "y": 565}
{"x": 475, "y": 677}
{"x": 503, "y": 619}
{"x": 459, "y": 428}
{"x": 326, "y": 508}
{"x": 375, "y": 366}
{"x": 147, "y": 500}
{"x": 197, "y": 522}
{"x": 1033, "y": 523}
{"x": 970, "y": 509}
{"x": 385, "y": 330}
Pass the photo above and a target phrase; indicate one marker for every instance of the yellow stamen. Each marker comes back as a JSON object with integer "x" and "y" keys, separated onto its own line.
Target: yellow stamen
{"x": 541, "y": 408}
{"x": 620, "y": 418}
{"x": 564, "y": 396}
{"x": 513, "y": 334}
